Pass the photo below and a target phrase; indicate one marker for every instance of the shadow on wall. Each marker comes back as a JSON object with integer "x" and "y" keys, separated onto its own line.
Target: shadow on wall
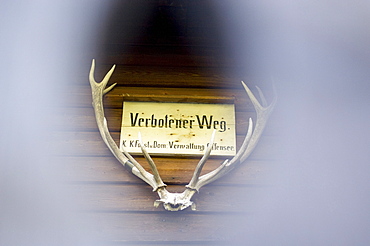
{"x": 319, "y": 56}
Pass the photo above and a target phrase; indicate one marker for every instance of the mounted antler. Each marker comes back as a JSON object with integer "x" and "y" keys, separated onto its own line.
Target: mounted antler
{"x": 177, "y": 201}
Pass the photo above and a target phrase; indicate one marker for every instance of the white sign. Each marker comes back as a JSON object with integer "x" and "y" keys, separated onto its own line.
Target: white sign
{"x": 178, "y": 128}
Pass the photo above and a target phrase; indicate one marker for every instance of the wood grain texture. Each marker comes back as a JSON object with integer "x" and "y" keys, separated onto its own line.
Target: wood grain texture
{"x": 106, "y": 169}
{"x": 121, "y": 202}
{"x": 160, "y": 70}
{"x": 135, "y": 197}
{"x": 80, "y": 96}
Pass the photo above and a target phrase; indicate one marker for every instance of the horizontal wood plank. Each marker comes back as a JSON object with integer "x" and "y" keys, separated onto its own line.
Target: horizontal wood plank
{"x": 129, "y": 198}
{"x": 80, "y": 96}
{"x": 191, "y": 77}
{"x": 91, "y": 144}
{"x": 173, "y": 171}
{"x": 166, "y": 59}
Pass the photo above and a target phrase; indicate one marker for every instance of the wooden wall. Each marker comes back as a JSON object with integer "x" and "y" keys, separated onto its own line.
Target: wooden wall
{"x": 185, "y": 64}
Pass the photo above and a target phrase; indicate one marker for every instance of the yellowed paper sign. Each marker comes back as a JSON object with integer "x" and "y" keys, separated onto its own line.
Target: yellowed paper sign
{"x": 178, "y": 128}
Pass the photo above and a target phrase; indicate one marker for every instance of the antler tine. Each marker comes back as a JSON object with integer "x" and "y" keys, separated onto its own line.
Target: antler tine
{"x": 262, "y": 97}
{"x": 194, "y": 180}
{"x": 250, "y": 141}
{"x": 91, "y": 74}
{"x": 98, "y": 90}
{"x": 226, "y": 166}
{"x": 153, "y": 167}
{"x": 263, "y": 113}
{"x": 105, "y": 80}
